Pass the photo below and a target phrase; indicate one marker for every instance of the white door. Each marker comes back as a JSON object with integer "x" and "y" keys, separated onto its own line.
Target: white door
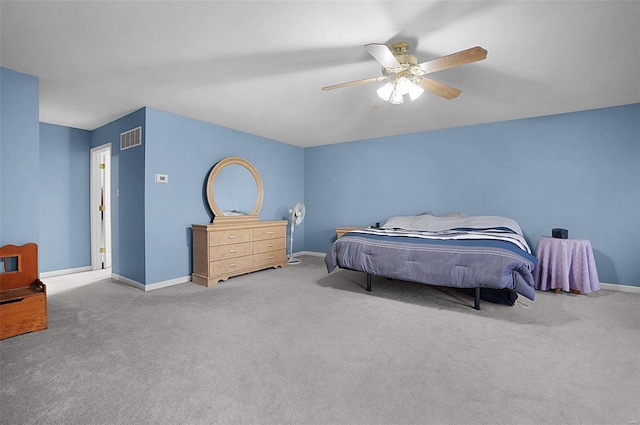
{"x": 101, "y": 207}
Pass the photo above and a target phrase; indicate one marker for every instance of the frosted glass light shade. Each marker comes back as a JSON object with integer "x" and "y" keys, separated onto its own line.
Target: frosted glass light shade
{"x": 403, "y": 85}
{"x": 385, "y": 91}
{"x": 394, "y": 91}
{"x": 415, "y": 91}
{"x": 396, "y": 97}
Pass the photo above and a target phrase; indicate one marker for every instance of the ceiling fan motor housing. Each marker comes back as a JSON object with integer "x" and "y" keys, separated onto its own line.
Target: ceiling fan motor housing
{"x": 400, "y": 47}
{"x": 408, "y": 62}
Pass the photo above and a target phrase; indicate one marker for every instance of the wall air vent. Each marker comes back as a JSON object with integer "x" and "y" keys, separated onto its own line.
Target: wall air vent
{"x": 131, "y": 138}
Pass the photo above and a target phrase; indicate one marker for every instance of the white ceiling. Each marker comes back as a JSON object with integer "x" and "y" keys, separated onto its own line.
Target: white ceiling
{"x": 258, "y": 66}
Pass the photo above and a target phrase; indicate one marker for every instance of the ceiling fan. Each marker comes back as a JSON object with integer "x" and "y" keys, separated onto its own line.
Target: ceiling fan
{"x": 407, "y": 76}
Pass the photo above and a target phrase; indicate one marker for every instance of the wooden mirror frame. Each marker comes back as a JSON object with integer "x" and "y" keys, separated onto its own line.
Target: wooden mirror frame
{"x": 217, "y": 212}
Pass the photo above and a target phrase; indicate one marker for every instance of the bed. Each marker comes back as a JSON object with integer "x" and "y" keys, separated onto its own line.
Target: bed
{"x": 485, "y": 255}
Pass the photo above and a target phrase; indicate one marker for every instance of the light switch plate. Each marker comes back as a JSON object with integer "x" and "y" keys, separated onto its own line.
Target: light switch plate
{"x": 162, "y": 178}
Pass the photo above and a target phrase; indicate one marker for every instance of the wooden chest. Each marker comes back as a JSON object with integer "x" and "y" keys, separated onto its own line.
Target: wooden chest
{"x": 22, "y": 311}
{"x": 221, "y": 251}
{"x": 23, "y": 297}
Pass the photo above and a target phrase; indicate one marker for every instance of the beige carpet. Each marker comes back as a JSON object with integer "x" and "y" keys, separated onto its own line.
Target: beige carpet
{"x": 299, "y": 346}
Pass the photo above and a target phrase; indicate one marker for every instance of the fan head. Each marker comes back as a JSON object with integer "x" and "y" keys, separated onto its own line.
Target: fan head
{"x": 297, "y": 213}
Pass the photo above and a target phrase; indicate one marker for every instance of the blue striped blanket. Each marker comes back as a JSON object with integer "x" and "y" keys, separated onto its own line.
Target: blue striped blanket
{"x": 494, "y": 257}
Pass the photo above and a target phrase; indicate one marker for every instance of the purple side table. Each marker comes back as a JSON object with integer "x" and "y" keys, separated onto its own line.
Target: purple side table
{"x": 565, "y": 264}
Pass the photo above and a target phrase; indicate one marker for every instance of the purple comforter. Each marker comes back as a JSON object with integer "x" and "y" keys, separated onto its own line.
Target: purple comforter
{"x": 491, "y": 262}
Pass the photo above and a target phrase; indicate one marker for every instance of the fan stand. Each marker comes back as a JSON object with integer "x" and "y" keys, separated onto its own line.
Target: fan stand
{"x": 290, "y": 259}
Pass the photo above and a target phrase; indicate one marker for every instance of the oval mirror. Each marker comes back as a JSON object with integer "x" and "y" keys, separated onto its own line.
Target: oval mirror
{"x": 234, "y": 188}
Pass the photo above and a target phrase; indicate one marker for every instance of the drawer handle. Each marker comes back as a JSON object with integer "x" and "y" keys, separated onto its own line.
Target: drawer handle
{"x": 270, "y": 245}
{"x": 270, "y": 233}
{"x": 232, "y": 236}
{"x": 232, "y": 265}
{"x": 271, "y": 257}
{"x": 232, "y": 251}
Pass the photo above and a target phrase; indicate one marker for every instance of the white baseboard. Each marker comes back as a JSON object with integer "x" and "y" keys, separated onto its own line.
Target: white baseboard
{"x": 75, "y": 278}
{"x": 128, "y": 281}
{"x": 65, "y": 272}
{"x": 62, "y": 283}
{"x": 151, "y": 286}
{"x": 63, "y": 280}
{"x": 165, "y": 283}
{"x": 315, "y": 254}
{"x": 621, "y": 288}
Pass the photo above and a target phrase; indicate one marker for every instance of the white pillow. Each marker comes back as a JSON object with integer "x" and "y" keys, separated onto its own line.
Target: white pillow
{"x": 435, "y": 224}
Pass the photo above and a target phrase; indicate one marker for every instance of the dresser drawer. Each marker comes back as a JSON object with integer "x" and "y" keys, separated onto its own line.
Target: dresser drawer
{"x": 222, "y": 252}
{"x": 230, "y": 266}
{"x": 271, "y": 232}
{"x": 267, "y": 258}
{"x": 226, "y": 237}
{"x": 268, "y": 245}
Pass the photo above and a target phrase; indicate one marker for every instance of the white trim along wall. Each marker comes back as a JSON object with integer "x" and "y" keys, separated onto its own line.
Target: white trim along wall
{"x": 621, "y": 288}
{"x": 63, "y": 280}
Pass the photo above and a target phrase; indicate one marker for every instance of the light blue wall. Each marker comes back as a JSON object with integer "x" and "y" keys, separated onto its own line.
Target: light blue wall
{"x": 151, "y": 222}
{"x": 186, "y": 149}
{"x": 580, "y": 171}
{"x": 65, "y": 228}
{"x": 127, "y": 196}
{"x": 19, "y": 158}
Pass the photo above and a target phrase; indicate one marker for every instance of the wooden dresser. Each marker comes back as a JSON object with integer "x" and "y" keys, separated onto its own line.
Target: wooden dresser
{"x": 228, "y": 249}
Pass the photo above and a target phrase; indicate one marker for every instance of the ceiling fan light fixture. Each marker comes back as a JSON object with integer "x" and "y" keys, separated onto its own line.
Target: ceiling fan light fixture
{"x": 403, "y": 85}
{"x": 385, "y": 91}
{"x": 396, "y": 98}
{"x": 415, "y": 91}
{"x": 394, "y": 91}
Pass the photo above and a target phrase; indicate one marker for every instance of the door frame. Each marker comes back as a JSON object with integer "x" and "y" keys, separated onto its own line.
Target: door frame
{"x": 97, "y": 258}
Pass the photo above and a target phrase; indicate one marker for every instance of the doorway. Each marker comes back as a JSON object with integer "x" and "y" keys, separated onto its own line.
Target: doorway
{"x": 101, "y": 207}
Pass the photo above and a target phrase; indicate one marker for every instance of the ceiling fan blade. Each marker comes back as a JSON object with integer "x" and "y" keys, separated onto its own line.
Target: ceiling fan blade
{"x": 473, "y": 54}
{"x": 382, "y": 54}
{"x": 438, "y": 88}
{"x": 355, "y": 83}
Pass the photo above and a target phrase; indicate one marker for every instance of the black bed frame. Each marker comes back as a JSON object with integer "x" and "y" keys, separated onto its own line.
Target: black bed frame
{"x": 476, "y": 301}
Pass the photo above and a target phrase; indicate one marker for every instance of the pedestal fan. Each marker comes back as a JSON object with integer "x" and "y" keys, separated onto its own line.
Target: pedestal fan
{"x": 296, "y": 216}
